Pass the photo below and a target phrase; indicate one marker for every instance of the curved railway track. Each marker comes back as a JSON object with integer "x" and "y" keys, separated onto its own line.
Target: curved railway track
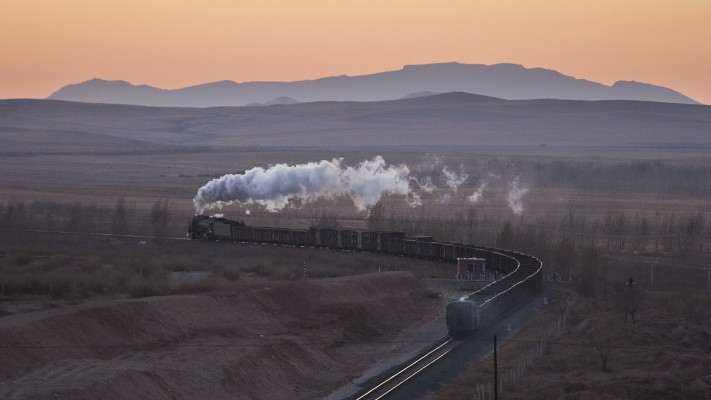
{"x": 521, "y": 277}
{"x": 508, "y": 292}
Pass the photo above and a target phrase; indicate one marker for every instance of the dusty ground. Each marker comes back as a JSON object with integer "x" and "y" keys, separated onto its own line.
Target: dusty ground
{"x": 410, "y": 341}
{"x": 299, "y": 339}
{"x": 171, "y": 347}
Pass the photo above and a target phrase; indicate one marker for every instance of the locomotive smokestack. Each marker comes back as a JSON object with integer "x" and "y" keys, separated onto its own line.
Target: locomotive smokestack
{"x": 276, "y": 185}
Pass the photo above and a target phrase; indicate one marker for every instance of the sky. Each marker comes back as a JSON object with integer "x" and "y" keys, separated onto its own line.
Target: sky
{"x": 47, "y": 44}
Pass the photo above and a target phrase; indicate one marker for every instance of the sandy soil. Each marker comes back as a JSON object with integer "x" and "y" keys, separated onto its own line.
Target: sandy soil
{"x": 410, "y": 341}
{"x": 290, "y": 340}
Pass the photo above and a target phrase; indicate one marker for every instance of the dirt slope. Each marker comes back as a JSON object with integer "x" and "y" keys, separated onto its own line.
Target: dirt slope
{"x": 298, "y": 339}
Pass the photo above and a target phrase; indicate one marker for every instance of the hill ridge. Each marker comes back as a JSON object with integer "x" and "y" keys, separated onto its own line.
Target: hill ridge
{"x": 505, "y": 81}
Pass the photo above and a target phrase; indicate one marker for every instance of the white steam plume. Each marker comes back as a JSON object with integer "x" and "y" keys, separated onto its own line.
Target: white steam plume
{"x": 516, "y": 192}
{"x": 425, "y": 184}
{"x": 479, "y": 192}
{"x": 454, "y": 180}
{"x": 275, "y": 186}
{"x": 432, "y": 172}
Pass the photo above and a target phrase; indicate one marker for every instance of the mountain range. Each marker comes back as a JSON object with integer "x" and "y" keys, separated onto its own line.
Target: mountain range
{"x": 505, "y": 81}
{"x": 451, "y": 120}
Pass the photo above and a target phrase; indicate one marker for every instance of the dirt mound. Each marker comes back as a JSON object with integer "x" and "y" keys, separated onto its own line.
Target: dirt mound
{"x": 308, "y": 336}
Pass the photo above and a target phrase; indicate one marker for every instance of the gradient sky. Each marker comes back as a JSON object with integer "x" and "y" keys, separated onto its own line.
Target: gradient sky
{"x": 46, "y": 44}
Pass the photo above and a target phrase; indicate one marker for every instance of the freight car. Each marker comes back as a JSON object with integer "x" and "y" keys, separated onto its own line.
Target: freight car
{"x": 519, "y": 274}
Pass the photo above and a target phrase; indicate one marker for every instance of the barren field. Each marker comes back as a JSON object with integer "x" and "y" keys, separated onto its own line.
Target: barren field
{"x": 87, "y": 316}
{"x": 310, "y": 336}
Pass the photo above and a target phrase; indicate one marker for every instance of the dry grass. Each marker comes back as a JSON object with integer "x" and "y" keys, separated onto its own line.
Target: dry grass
{"x": 74, "y": 267}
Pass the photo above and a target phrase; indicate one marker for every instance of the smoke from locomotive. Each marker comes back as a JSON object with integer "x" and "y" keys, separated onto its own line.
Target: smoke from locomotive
{"x": 515, "y": 196}
{"x": 275, "y": 186}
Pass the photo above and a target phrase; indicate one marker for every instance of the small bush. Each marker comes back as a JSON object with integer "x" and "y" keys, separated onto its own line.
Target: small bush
{"x": 177, "y": 265}
{"x": 285, "y": 274}
{"x": 20, "y": 259}
{"x": 253, "y": 268}
{"x": 201, "y": 286}
{"x": 148, "y": 287}
{"x": 231, "y": 275}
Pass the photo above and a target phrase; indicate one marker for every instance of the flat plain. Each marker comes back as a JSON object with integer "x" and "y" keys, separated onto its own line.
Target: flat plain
{"x": 628, "y": 180}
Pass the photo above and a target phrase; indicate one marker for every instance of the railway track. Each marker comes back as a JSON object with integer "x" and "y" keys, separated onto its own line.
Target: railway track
{"x": 408, "y": 372}
{"x": 390, "y": 386}
{"x": 522, "y": 280}
{"x": 506, "y": 294}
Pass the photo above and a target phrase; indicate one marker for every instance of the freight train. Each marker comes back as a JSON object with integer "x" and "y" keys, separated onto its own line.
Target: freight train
{"x": 519, "y": 274}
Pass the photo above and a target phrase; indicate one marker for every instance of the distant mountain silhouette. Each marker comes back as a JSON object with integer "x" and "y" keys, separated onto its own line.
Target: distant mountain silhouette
{"x": 452, "y": 120}
{"x": 283, "y": 100}
{"x": 420, "y": 94}
{"x": 506, "y": 81}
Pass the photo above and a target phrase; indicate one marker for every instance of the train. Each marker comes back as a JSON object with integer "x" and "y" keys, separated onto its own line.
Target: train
{"x": 519, "y": 274}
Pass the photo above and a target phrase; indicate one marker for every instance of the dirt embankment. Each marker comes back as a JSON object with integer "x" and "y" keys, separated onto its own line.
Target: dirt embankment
{"x": 299, "y": 339}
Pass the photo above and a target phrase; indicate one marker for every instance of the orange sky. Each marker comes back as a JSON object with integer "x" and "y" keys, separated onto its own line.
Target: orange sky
{"x": 46, "y": 44}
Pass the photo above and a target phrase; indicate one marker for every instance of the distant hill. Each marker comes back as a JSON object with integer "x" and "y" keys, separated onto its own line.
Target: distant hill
{"x": 449, "y": 119}
{"x": 506, "y": 81}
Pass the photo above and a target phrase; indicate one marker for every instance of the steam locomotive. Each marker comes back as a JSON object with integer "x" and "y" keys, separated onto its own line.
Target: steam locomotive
{"x": 520, "y": 273}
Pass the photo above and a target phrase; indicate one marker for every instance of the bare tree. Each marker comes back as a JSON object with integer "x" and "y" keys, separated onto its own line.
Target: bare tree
{"x": 376, "y": 217}
{"x": 586, "y": 276}
{"x": 158, "y": 217}
{"x": 605, "y": 351}
{"x": 627, "y": 299}
{"x": 119, "y": 219}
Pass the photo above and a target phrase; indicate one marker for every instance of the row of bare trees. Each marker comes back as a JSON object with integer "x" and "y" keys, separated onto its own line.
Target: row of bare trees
{"x": 123, "y": 217}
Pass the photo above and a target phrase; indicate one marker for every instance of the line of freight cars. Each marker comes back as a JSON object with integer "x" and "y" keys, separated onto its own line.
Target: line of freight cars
{"x": 221, "y": 229}
{"x": 521, "y": 273}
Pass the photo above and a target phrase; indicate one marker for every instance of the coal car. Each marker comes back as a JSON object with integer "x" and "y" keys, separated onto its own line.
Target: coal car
{"x": 518, "y": 276}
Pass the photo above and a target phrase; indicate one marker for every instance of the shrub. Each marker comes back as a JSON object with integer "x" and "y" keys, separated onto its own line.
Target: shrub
{"x": 20, "y": 259}
{"x": 148, "y": 287}
{"x": 285, "y": 274}
{"x": 231, "y": 275}
{"x": 201, "y": 286}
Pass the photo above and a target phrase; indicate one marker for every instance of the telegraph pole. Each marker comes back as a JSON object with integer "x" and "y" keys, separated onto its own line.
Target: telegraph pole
{"x": 496, "y": 373}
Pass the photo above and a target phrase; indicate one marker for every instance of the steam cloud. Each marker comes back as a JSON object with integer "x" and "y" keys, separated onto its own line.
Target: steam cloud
{"x": 425, "y": 184}
{"x": 479, "y": 192}
{"x": 454, "y": 180}
{"x": 279, "y": 184}
{"x": 434, "y": 170}
{"x": 516, "y": 192}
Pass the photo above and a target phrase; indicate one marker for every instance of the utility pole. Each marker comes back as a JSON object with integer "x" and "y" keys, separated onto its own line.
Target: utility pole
{"x": 496, "y": 373}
